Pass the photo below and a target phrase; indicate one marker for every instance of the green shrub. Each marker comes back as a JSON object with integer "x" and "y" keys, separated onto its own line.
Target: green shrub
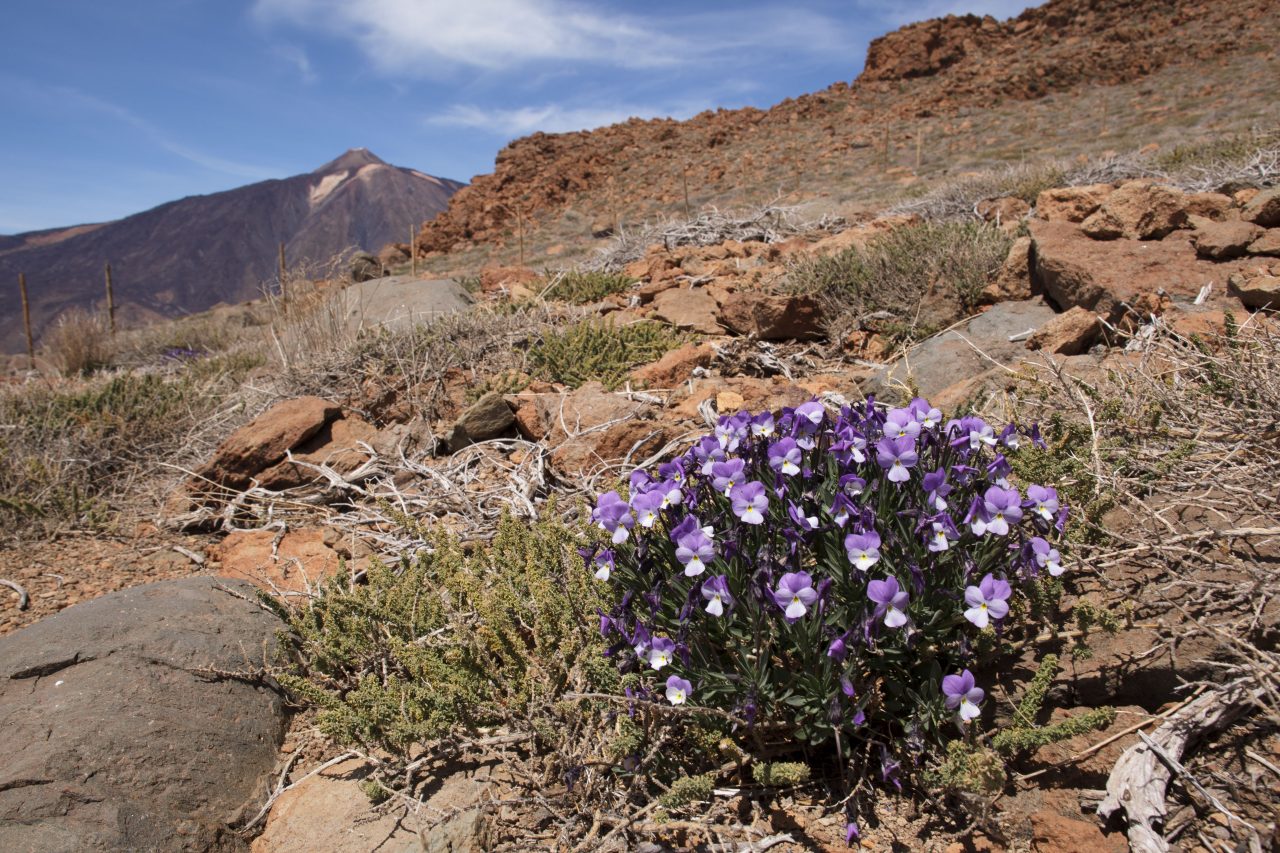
{"x": 596, "y": 349}
{"x": 1024, "y": 735}
{"x": 894, "y": 272}
{"x": 584, "y": 287}
{"x": 449, "y": 640}
{"x": 67, "y": 447}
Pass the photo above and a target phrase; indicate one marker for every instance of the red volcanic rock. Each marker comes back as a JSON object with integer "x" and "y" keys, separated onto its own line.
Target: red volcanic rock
{"x": 924, "y": 49}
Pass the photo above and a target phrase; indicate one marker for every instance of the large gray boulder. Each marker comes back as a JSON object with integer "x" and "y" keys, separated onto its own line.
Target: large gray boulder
{"x": 135, "y": 721}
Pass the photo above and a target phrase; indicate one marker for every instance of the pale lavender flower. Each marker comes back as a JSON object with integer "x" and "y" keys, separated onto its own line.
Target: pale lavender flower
{"x": 678, "y": 690}
{"x": 726, "y": 475}
{"x": 962, "y": 696}
{"x": 988, "y": 600}
{"x": 926, "y": 415}
{"x": 999, "y": 508}
{"x": 795, "y": 594}
{"x": 716, "y": 592}
{"x": 614, "y": 516}
{"x": 897, "y": 455}
{"x": 801, "y": 521}
{"x": 901, "y": 423}
{"x": 936, "y": 489}
{"x": 749, "y": 502}
{"x": 1042, "y": 501}
{"x": 693, "y": 549}
{"x": 647, "y": 506}
{"x": 762, "y": 425}
{"x": 841, "y": 509}
{"x": 891, "y": 601}
{"x": 807, "y": 419}
{"x": 784, "y": 457}
{"x": 660, "y": 651}
{"x": 1046, "y": 556}
{"x": 672, "y": 493}
{"x": 604, "y": 565}
{"x": 942, "y": 533}
{"x": 863, "y": 549}
{"x": 972, "y": 432}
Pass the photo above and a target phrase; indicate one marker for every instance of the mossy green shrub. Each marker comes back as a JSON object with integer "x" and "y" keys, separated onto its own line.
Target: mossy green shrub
{"x": 895, "y": 271}
{"x": 597, "y": 349}
{"x": 67, "y": 447}
{"x": 582, "y": 287}
{"x": 451, "y": 641}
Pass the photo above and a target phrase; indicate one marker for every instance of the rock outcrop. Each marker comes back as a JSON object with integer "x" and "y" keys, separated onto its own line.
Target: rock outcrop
{"x": 139, "y": 721}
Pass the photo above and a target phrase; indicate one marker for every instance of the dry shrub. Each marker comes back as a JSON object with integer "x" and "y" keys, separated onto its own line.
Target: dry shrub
{"x": 1183, "y": 440}
{"x": 79, "y": 342}
{"x": 894, "y": 272}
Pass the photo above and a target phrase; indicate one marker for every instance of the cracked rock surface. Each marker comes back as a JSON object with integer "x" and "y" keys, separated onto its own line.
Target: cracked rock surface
{"x": 137, "y": 721}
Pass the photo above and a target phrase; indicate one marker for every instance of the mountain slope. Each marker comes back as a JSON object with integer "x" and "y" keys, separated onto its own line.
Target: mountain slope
{"x": 190, "y": 254}
{"x": 1068, "y": 77}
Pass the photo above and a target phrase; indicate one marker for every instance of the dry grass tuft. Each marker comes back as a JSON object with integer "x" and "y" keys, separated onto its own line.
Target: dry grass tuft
{"x": 79, "y": 342}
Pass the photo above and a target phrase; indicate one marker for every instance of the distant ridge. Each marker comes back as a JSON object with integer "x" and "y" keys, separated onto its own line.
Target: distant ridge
{"x": 191, "y": 254}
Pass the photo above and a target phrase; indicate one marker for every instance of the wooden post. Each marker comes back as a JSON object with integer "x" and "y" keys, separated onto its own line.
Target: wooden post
{"x": 684, "y": 175}
{"x": 413, "y": 256}
{"x": 26, "y": 320}
{"x": 284, "y": 294}
{"x": 919, "y": 146}
{"x": 520, "y": 228}
{"x": 111, "y": 302}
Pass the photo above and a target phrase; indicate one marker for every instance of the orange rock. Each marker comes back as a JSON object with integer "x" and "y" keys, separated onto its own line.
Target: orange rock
{"x": 674, "y": 367}
{"x": 1071, "y": 204}
{"x": 1069, "y": 333}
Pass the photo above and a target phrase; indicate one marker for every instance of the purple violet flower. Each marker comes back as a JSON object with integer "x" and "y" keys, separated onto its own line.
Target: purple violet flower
{"x": 988, "y": 600}
{"x": 795, "y": 594}
{"x": 962, "y": 696}
{"x": 693, "y": 549}
{"x": 614, "y": 516}
{"x": 678, "y": 690}
{"x": 943, "y": 534}
{"x": 660, "y": 651}
{"x": 1009, "y": 437}
{"x": 863, "y": 549}
{"x": 749, "y": 502}
{"x": 837, "y": 651}
{"x": 936, "y": 489}
{"x": 852, "y": 485}
{"x": 926, "y": 415}
{"x": 1042, "y": 501}
{"x": 841, "y": 509}
{"x": 890, "y": 600}
{"x": 896, "y": 455}
{"x": 762, "y": 425}
{"x": 971, "y": 432}
{"x": 604, "y": 565}
{"x": 726, "y": 475}
{"x": 647, "y": 507}
{"x": 716, "y": 592}
{"x": 803, "y": 522}
{"x": 999, "y": 507}
{"x": 1046, "y": 556}
{"x": 784, "y": 457}
{"x": 901, "y": 423}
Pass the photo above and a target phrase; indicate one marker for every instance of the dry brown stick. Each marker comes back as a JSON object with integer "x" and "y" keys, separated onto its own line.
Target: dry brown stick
{"x": 23, "y": 598}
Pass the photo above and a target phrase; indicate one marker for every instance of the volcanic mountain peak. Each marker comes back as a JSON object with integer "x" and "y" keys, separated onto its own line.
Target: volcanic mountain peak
{"x": 353, "y": 159}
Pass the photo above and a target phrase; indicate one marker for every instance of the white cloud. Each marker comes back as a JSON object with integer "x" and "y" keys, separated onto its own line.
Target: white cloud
{"x": 549, "y": 118}
{"x": 417, "y": 36}
{"x": 297, "y": 57}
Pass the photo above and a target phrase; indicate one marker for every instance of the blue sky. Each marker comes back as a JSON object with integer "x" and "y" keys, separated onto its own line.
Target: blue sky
{"x": 114, "y": 106}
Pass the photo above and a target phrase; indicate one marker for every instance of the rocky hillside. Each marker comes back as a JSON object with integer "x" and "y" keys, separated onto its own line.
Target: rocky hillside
{"x": 194, "y": 253}
{"x": 946, "y": 95}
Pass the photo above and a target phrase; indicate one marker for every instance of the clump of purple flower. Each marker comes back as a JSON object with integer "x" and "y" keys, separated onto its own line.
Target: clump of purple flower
{"x": 829, "y": 572}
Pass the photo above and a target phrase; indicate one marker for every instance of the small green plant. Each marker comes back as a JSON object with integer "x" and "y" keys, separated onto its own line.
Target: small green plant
{"x": 781, "y": 774}
{"x": 452, "y": 640}
{"x": 597, "y": 349}
{"x": 1024, "y": 735}
{"x": 688, "y": 790}
{"x": 968, "y": 768}
{"x": 584, "y": 287}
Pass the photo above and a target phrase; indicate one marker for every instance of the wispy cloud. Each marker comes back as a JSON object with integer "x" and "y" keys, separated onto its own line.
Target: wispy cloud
{"x": 159, "y": 137}
{"x": 549, "y": 118}
{"x": 297, "y": 57}
{"x": 416, "y": 37}
{"x": 427, "y": 36}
